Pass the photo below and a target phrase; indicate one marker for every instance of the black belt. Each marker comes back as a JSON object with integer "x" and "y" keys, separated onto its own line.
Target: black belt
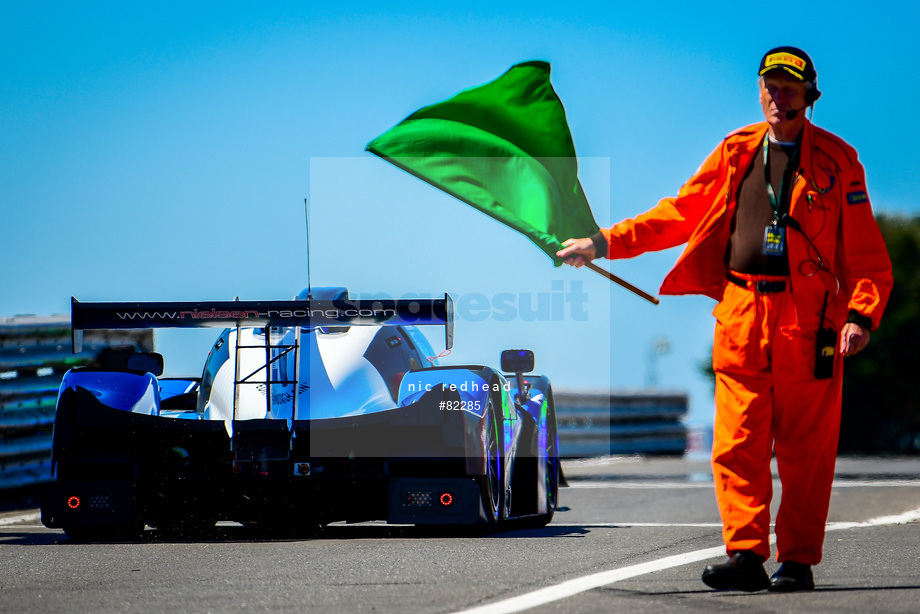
{"x": 763, "y": 287}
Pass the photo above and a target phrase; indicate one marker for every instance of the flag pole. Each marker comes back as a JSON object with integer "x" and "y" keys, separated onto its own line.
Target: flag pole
{"x": 625, "y": 284}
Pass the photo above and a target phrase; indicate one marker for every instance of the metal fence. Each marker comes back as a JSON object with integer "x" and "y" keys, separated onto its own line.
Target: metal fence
{"x": 616, "y": 422}
{"x": 35, "y": 352}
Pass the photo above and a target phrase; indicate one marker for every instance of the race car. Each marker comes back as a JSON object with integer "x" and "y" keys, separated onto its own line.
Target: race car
{"x": 311, "y": 411}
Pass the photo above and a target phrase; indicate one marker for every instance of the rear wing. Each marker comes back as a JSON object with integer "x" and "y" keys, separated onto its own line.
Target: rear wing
{"x": 226, "y": 314}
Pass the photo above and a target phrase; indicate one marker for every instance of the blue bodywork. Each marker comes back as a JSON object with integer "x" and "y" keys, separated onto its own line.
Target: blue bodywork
{"x": 351, "y": 423}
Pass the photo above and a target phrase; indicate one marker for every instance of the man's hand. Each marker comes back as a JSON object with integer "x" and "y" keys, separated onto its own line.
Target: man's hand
{"x": 577, "y": 252}
{"x": 853, "y": 339}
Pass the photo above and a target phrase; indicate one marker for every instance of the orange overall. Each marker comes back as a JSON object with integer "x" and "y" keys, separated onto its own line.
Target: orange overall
{"x": 767, "y": 397}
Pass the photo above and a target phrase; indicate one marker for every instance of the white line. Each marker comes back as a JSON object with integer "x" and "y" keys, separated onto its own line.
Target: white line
{"x": 875, "y": 483}
{"x": 624, "y": 525}
{"x": 603, "y": 578}
{"x": 911, "y": 516}
{"x": 600, "y": 461}
{"x": 586, "y": 583}
{"x": 640, "y": 485}
{"x": 19, "y": 519}
{"x": 678, "y": 485}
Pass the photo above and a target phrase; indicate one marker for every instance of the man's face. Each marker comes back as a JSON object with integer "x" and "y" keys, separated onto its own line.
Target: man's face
{"x": 780, "y": 93}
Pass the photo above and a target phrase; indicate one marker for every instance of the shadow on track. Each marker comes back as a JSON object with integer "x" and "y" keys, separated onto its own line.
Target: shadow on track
{"x": 226, "y": 533}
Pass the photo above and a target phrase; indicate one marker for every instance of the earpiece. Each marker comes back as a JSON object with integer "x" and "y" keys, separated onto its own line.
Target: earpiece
{"x": 812, "y": 93}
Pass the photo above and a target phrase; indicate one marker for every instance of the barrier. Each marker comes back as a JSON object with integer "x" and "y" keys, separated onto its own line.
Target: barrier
{"x": 639, "y": 422}
{"x": 35, "y": 352}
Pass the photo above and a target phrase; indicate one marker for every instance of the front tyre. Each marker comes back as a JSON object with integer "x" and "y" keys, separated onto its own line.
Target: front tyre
{"x": 552, "y": 467}
{"x": 548, "y": 475}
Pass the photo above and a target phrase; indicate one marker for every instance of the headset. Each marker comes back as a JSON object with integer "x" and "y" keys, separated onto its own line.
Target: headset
{"x": 812, "y": 93}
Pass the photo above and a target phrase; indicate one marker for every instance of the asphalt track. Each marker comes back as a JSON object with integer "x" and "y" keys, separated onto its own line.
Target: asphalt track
{"x": 633, "y": 535}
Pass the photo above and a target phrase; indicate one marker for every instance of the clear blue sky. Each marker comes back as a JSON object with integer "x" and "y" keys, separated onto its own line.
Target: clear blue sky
{"x": 162, "y": 151}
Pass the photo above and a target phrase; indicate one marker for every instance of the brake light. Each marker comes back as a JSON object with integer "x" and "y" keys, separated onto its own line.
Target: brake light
{"x": 446, "y": 499}
{"x": 73, "y": 502}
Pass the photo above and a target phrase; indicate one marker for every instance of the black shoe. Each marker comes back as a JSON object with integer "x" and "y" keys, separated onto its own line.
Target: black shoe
{"x": 743, "y": 572}
{"x": 792, "y": 576}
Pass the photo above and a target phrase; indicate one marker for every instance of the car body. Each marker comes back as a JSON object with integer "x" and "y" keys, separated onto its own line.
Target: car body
{"x": 311, "y": 411}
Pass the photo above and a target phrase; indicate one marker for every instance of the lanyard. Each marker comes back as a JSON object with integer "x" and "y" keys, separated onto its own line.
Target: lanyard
{"x": 790, "y": 165}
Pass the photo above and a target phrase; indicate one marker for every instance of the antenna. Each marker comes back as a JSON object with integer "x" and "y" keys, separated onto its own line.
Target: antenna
{"x": 306, "y": 215}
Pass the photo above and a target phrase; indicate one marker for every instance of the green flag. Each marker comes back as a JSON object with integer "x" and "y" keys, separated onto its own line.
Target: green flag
{"x": 504, "y": 148}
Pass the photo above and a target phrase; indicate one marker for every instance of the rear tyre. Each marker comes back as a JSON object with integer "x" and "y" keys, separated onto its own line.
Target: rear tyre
{"x": 492, "y": 484}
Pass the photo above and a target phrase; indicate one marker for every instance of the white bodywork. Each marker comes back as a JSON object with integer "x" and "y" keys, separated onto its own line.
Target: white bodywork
{"x": 335, "y": 377}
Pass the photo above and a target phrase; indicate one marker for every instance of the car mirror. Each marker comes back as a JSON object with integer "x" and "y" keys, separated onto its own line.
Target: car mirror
{"x": 146, "y": 362}
{"x": 517, "y": 361}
